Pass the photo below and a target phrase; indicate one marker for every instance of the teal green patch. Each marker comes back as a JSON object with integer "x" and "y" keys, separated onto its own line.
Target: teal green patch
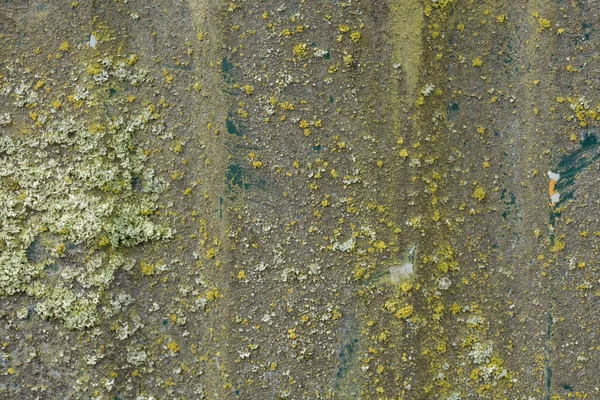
{"x": 178, "y": 67}
{"x": 346, "y": 356}
{"x": 346, "y": 383}
{"x": 226, "y": 69}
{"x": 548, "y": 354}
{"x": 220, "y": 210}
{"x": 452, "y": 111}
{"x": 235, "y": 177}
{"x": 233, "y": 127}
{"x": 570, "y": 166}
{"x": 510, "y": 200}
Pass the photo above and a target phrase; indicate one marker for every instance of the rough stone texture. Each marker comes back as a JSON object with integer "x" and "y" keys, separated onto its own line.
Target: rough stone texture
{"x": 304, "y": 199}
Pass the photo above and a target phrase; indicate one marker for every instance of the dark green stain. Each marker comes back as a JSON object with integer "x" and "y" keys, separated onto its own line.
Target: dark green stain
{"x": 235, "y": 177}
{"x": 548, "y": 354}
{"x": 572, "y": 164}
{"x": 233, "y": 127}
{"x": 345, "y": 382}
{"x": 587, "y": 30}
{"x": 220, "y": 210}
{"x": 178, "y": 67}
{"x": 452, "y": 111}
{"x": 511, "y": 203}
{"x": 569, "y": 167}
{"x": 346, "y": 357}
{"x": 51, "y": 268}
{"x": 35, "y": 251}
{"x": 331, "y": 100}
{"x": 227, "y": 69}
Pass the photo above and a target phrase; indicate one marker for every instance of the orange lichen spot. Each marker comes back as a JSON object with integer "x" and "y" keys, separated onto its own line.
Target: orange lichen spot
{"x": 552, "y": 192}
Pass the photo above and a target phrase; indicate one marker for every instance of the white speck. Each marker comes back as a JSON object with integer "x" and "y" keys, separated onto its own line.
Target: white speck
{"x": 346, "y": 246}
{"x": 93, "y": 41}
{"x": 444, "y": 283}
{"x": 428, "y": 89}
{"x": 320, "y": 53}
{"x": 553, "y": 176}
{"x": 555, "y": 198}
{"x": 398, "y": 273}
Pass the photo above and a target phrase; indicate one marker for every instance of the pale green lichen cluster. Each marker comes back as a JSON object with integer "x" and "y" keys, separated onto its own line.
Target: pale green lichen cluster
{"x": 75, "y": 192}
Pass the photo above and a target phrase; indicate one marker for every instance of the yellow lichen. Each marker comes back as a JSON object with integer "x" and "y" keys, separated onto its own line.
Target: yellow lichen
{"x": 405, "y": 312}
{"x": 544, "y": 23}
{"x": 173, "y": 346}
{"x": 299, "y": 50}
{"x": 558, "y": 246}
{"x": 257, "y": 164}
{"x": 147, "y": 269}
{"x": 248, "y": 89}
{"x": 479, "y": 194}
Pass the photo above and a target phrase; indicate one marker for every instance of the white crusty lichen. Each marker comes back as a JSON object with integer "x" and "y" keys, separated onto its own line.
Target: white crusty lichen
{"x": 481, "y": 353}
{"x": 74, "y": 182}
{"x": 136, "y": 356}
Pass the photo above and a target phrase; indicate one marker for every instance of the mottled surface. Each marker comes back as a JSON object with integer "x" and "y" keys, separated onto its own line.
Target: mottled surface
{"x": 313, "y": 199}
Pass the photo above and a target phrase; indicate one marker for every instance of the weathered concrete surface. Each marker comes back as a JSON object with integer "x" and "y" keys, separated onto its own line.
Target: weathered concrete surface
{"x": 299, "y": 199}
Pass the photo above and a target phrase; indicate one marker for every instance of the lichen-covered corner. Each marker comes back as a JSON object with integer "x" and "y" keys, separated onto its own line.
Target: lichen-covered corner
{"x": 302, "y": 200}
